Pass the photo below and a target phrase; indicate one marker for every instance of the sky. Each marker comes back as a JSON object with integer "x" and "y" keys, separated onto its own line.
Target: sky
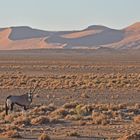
{"x": 69, "y": 14}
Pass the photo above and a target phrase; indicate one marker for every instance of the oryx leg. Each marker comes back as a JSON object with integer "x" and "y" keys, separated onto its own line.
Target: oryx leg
{"x": 12, "y": 107}
{"x": 25, "y": 108}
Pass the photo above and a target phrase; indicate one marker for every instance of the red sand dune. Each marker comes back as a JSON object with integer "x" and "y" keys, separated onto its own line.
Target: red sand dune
{"x": 93, "y": 37}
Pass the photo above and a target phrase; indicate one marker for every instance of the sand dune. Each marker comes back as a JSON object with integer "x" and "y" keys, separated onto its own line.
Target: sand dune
{"x": 81, "y": 34}
{"x": 23, "y": 32}
{"x": 134, "y": 27}
{"x": 94, "y": 37}
{"x": 131, "y": 39}
{"x": 4, "y": 40}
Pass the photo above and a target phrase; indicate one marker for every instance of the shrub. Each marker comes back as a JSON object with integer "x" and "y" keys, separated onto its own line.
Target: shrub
{"x": 11, "y": 134}
{"x": 100, "y": 118}
{"x": 22, "y": 120}
{"x": 133, "y": 136}
{"x": 73, "y": 134}
{"x": 137, "y": 119}
{"x": 70, "y": 105}
{"x": 39, "y": 120}
{"x": 44, "y": 136}
{"x": 59, "y": 113}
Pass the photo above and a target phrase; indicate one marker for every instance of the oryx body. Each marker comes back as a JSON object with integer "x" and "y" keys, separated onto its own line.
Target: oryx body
{"x": 22, "y": 100}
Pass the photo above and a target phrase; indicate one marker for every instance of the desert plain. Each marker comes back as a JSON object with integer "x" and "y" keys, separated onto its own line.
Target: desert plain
{"x": 82, "y": 94}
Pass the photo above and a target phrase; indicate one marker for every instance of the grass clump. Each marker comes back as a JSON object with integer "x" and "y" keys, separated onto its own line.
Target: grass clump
{"x": 11, "y": 134}
{"x": 137, "y": 119}
{"x": 73, "y": 134}
{"x": 40, "y": 120}
{"x": 100, "y": 118}
{"x": 132, "y": 136}
{"x": 44, "y": 136}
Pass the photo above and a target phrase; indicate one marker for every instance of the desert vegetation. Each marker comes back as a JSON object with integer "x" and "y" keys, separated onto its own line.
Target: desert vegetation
{"x": 75, "y": 81}
{"x": 93, "y": 115}
{"x": 83, "y": 99}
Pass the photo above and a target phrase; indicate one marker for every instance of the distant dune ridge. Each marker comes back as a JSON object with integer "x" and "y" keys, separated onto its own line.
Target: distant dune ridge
{"x": 93, "y": 37}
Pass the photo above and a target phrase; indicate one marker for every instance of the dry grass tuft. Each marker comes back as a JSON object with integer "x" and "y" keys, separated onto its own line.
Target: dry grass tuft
{"x": 2, "y": 115}
{"x": 59, "y": 113}
{"x": 83, "y": 110}
{"x": 133, "y": 136}
{"x": 73, "y": 134}
{"x": 100, "y": 118}
{"x": 11, "y": 127}
{"x": 43, "y": 109}
{"x": 70, "y": 105}
{"x": 11, "y": 134}
{"x": 137, "y": 119}
{"x": 22, "y": 120}
{"x": 73, "y": 117}
{"x": 40, "y": 120}
{"x": 44, "y": 136}
{"x": 9, "y": 118}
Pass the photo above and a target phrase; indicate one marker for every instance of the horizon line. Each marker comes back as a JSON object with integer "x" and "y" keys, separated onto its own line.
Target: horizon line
{"x": 82, "y": 28}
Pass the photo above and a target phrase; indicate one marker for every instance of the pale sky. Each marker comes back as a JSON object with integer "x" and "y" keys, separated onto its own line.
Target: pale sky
{"x": 68, "y": 14}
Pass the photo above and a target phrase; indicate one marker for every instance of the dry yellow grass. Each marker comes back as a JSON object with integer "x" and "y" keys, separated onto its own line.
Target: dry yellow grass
{"x": 9, "y": 118}
{"x": 100, "y": 118}
{"x": 39, "y": 120}
{"x": 59, "y": 113}
{"x": 44, "y": 136}
{"x": 11, "y": 134}
{"x": 100, "y": 81}
{"x": 83, "y": 110}
{"x": 73, "y": 134}
{"x": 137, "y": 119}
{"x": 22, "y": 120}
{"x": 132, "y": 136}
{"x": 70, "y": 105}
{"x": 84, "y": 114}
{"x": 76, "y": 87}
{"x": 73, "y": 117}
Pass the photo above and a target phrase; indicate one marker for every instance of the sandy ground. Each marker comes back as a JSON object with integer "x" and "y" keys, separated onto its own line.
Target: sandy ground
{"x": 68, "y": 76}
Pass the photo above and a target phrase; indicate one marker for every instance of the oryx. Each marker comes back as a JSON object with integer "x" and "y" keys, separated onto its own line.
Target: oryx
{"x": 22, "y": 100}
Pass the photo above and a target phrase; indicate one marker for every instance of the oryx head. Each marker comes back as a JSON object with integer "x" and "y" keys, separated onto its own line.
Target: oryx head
{"x": 32, "y": 91}
{"x": 30, "y": 96}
